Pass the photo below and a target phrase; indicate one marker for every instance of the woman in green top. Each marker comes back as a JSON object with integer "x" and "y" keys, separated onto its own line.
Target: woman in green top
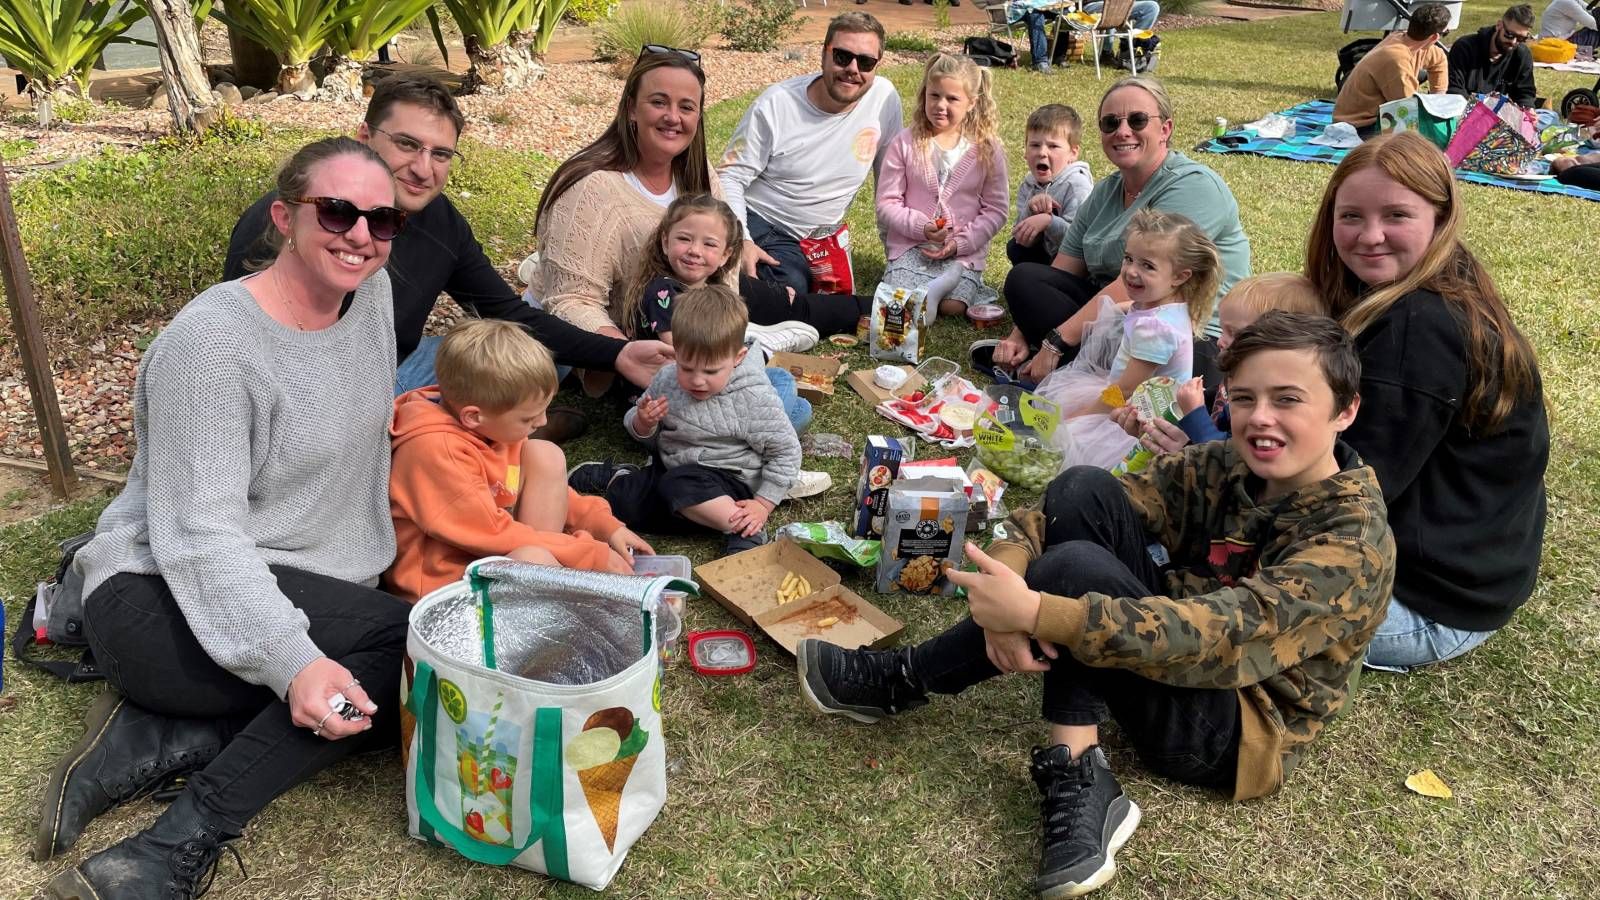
{"x": 1135, "y": 121}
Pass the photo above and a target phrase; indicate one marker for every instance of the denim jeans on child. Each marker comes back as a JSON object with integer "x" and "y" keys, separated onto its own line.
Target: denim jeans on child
{"x": 1407, "y": 639}
{"x": 796, "y": 407}
{"x": 417, "y": 369}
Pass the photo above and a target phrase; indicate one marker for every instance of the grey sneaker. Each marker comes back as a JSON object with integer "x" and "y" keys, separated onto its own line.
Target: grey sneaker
{"x": 865, "y": 685}
{"x": 1087, "y": 819}
{"x": 595, "y": 477}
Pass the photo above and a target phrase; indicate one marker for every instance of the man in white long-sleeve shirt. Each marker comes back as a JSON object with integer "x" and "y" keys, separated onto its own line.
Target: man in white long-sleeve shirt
{"x": 804, "y": 148}
{"x": 1563, "y": 18}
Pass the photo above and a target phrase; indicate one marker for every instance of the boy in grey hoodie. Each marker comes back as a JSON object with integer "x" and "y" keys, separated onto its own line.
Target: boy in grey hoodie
{"x": 725, "y": 453}
{"x": 1055, "y": 186}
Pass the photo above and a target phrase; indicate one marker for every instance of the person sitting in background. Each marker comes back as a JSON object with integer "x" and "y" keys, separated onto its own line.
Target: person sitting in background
{"x": 1564, "y": 19}
{"x": 1389, "y": 71}
{"x": 1496, "y": 59}
{"x": 1578, "y": 171}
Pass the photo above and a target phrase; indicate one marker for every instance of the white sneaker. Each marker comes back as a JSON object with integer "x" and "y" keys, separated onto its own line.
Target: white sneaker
{"x": 809, "y": 484}
{"x": 527, "y": 268}
{"x": 784, "y": 337}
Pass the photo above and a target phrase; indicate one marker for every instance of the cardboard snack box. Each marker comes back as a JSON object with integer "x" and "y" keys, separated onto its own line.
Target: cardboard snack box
{"x": 861, "y": 382}
{"x": 924, "y": 530}
{"x": 836, "y": 614}
{"x": 880, "y": 464}
{"x": 746, "y": 584}
{"x": 813, "y": 375}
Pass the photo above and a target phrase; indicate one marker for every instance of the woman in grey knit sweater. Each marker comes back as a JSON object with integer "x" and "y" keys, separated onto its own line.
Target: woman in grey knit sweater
{"x": 229, "y": 589}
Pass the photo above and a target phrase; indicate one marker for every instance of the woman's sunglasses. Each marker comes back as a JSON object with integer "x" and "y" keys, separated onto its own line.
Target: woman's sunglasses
{"x": 1137, "y": 121}
{"x": 690, "y": 55}
{"x": 338, "y": 216}
{"x": 842, "y": 58}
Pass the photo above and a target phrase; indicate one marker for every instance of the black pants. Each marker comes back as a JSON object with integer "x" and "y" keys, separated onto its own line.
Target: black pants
{"x": 653, "y": 499}
{"x": 1035, "y": 254}
{"x": 1096, "y": 543}
{"x": 1586, "y": 176}
{"x": 1041, "y": 297}
{"x": 143, "y": 643}
{"x": 769, "y": 304}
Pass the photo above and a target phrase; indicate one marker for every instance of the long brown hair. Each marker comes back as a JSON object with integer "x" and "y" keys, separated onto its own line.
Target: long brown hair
{"x": 653, "y": 263}
{"x": 617, "y": 148}
{"x": 1501, "y": 368}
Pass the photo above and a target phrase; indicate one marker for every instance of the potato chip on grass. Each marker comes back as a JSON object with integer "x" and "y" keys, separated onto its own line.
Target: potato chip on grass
{"x": 1428, "y": 784}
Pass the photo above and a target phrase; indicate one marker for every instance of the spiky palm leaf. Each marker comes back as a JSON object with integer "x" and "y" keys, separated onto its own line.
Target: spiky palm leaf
{"x": 489, "y": 21}
{"x": 376, "y": 23}
{"x": 294, "y": 30}
{"x": 54, "y": 43}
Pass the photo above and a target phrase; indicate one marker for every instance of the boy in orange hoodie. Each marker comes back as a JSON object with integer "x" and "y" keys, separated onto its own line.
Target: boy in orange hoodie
{"x": 467, "y": 483}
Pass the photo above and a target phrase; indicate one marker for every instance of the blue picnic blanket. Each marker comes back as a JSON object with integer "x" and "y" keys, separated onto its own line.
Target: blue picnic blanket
{"x": 1311, "y": 117}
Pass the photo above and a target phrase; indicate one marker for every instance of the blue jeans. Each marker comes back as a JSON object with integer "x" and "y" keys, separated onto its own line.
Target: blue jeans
{"x": 792, "y": 269}
{"x": 1038, "y": 41}
{"x": 1143, "y": 17}
{"x": 796, "y": 407}
{"x": 417, "y": 369}
{"x": 1407, "y": 639}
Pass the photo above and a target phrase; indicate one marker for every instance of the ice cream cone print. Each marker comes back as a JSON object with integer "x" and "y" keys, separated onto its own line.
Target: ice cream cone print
{"x": 602, "y": 787}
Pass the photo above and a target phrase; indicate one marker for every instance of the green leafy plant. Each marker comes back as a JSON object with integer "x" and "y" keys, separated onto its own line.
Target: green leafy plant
{"x": 357, "y": 39}
{"x": 538, "y": 26}
{"x": 294, "y": 30}
{"x": 588, "y": 12}
{"x": 54, "y": 43}
{"x": 941, "y": 13}
{"x": 620, "y": 37}
{"x": 496, "y": 34}
{"x": 757, "y": 25}
{"x": 903, "y": 42}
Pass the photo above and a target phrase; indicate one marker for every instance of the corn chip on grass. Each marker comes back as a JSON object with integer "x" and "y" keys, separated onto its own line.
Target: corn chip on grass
{"x": 767, "y": 798}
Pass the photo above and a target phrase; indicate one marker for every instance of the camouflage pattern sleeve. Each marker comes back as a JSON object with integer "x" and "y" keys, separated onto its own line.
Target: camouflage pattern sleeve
{"x": 1174, "y": 494}
{"x": 1324, "y": 589}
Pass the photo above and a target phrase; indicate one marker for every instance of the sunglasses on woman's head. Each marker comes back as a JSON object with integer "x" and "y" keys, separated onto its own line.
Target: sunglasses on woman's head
{"x": 337, "y": 216}
{"x": 842, "y": 58}
{"x": 690, "y": 55}
{"x": 1137, "y": 121}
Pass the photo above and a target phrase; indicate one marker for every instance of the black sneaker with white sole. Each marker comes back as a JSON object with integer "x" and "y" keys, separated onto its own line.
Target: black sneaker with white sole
{"x": 1087, "y": 819}
{"x": 595, "y": 477}
{"x": 865, "y": 685}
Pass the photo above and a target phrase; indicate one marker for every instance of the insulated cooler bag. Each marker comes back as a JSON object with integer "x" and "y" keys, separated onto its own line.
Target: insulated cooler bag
{"x": 536, "y": 698}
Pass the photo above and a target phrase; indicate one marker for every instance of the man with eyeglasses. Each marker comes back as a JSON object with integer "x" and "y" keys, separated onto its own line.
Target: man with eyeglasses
{"x": 804, "y": 148}
{"x": 1496, "y": 58}
{"x": 413, "y": 123}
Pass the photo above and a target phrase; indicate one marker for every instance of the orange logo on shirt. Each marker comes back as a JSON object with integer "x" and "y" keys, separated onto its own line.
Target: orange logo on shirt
{"x": 866, "y": 146}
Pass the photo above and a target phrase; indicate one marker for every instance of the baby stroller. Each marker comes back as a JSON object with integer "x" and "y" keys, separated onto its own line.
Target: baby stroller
{"x": 1582, "y": 96}
{"x": 1377, "y": 15}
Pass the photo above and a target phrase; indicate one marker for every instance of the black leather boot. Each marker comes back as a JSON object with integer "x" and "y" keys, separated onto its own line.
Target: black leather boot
{"x": 126, "y": 752}
{"x": 164, "y": 862}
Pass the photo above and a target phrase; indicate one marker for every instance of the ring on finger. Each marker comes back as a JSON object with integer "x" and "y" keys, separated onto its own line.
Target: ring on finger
{"x": 353, "y": 683}
{"x": 321, "y": 722}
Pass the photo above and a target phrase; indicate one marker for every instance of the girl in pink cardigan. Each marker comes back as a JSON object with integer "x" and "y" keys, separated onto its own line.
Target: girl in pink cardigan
{"x": 942, "y": 189}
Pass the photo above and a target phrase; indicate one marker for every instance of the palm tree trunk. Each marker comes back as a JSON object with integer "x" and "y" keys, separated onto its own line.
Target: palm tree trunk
{"x": 499, "y": 68}
{"x": 188, "y": 88}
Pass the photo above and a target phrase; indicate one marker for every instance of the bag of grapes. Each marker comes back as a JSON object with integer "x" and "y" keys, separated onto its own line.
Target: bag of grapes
{"x": 1016, "y": 436}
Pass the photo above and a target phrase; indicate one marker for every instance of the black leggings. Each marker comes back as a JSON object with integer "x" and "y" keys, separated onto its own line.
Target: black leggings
{"x": 1096, "y": 543}
{"x": 1585, "y": 176}
{"x": 828, "y": 313}
{"x": 143, "y": 643}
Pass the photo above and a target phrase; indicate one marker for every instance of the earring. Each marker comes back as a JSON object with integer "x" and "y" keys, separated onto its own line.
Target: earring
{"x": 289, "y": 246}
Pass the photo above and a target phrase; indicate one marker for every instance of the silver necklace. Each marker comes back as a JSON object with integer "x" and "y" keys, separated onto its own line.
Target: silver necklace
{"x": 277, "y": 284}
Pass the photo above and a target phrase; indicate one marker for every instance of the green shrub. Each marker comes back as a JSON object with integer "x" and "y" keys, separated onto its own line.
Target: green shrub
{"x": 637, "y": 24}
{"x": 1183, "y": 8}
{"x": 588, "y": 12}
{"x": 757, "y": 25}
{"x": 910, "y": 43}
{"x": 13, "y": 149}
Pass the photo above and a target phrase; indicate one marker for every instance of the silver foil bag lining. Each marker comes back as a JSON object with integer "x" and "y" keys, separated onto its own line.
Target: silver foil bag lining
{"x": 555, "y": 625}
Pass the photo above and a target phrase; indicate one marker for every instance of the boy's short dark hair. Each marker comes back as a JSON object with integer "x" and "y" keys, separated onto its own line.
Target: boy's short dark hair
{"x": 1057, "y": 118}
{"x": 1522, "y": 14}
{"x": 708, "y": 323}
{"x": 1428, "y": 20}
{"x": 1276, "y": 330}
{"x": 417, "y": 90}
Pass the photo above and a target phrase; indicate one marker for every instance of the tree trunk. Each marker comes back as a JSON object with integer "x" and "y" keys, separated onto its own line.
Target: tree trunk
{"x": 253, "y": 64}
{"x": 498, "y": 69}
{"x": 296, "y": 79}
{"x": 343, "y": 81}
{"x": 188, "y": 88}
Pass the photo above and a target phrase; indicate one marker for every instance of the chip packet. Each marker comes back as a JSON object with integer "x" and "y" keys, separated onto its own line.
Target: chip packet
{"x": 895, "y": 331}
{"x": 828, "y": 540}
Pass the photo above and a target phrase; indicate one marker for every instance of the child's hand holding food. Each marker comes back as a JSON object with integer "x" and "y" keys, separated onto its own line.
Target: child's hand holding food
{"x": 651, "y": 411}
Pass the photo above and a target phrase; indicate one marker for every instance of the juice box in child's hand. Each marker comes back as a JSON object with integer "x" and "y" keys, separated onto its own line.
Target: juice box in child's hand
{"x": 880, "y": 463}
{"x": 1156, "y": 398}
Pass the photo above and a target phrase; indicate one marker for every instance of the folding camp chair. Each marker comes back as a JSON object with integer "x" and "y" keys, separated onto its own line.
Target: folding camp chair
{"x": 1114, "y": 25}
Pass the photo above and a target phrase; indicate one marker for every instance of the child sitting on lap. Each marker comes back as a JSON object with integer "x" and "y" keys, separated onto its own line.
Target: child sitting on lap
{"x": 725, "y": 455}
{"x": 1056, "y": 184}
{"x": 467, "y": 483}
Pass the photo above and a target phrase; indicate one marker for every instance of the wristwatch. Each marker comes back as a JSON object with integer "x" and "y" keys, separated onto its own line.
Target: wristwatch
{"x": 1056, "y": 342}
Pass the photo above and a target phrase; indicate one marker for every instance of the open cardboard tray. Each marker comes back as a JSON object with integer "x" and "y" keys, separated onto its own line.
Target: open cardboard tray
{"x": 825, "y": 367}
{"x": 746, "y": 584}
{"x": 861, "y": 382}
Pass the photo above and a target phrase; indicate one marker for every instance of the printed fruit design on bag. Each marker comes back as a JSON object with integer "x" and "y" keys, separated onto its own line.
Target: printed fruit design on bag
{"x": 603, "y": 754}
{"x": 486, "y": 771}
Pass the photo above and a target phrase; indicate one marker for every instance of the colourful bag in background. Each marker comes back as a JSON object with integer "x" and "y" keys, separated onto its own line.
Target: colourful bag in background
{"x": 536, "y": 695}
{"x": 1507, "y": 134}
{"x": 1434, "y": 116}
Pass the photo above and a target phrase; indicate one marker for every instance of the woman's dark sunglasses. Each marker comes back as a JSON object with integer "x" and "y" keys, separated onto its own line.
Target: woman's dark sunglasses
{"x": 338, "y": 216}
{"x": 690, "y": 55}
{"x": 1137, "y": 121}
{"x": 842, "y": 57}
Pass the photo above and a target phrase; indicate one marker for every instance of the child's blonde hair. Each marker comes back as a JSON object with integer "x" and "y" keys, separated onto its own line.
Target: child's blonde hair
{"x": 1283, "y": 291}
{"x": 494, "y": 365}
{"x": 1057, "y": 120}
{"x": 708, "y": 323}
{"x": 653, "y": 264}
{"x": 982, "y": 124}
{"x": 1191, "y": 250}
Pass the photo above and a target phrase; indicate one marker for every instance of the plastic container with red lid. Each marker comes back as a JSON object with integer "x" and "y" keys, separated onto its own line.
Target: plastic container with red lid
{"x": 721, "y": 652}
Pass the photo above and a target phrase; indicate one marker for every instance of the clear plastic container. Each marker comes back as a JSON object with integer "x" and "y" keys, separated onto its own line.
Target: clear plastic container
{"x": 677, "y": 567}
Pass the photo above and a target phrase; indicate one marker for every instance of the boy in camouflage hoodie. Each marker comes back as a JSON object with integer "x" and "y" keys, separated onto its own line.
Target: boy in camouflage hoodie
{"x": 1216, "y": 604}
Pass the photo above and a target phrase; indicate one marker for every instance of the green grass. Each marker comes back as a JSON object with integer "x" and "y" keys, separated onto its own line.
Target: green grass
{"x": 770, "y": 800}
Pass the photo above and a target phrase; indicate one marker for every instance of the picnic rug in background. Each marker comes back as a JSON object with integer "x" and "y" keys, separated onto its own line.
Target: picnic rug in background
{"x": 1311, "y": 117}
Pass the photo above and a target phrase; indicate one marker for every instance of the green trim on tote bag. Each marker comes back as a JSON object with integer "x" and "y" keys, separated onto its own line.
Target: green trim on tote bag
{"x": 480, "y": 589}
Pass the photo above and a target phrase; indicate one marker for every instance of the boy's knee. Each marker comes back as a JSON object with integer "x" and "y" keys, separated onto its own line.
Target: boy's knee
{"x": 543, "y": 458}
{"x": 1077, "y": 487}
{"x": 1071, "y": 568}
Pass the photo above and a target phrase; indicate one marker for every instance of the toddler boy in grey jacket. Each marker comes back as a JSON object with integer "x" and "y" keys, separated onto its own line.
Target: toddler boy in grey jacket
{"x": 725, "y": 452}
{"x": 1054, "y": 187}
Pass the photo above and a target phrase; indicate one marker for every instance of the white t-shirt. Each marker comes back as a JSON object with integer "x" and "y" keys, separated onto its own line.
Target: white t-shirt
{"x": 1563, "y": 17}
{"x": 945, "y": 160}
{"x": 663, "y": 199}
{"x": 799, "y": 167}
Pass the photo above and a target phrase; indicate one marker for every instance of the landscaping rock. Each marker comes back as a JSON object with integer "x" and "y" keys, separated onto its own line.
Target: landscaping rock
{"x": 229, "y": 94}
{"x": 246, "y": 92}
{"x": 263, "y": 97}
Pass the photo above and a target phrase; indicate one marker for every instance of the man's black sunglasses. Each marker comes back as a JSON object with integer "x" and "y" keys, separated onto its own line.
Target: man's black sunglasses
{"x": 338, "y": 216}
{"x": 690, "y": 55}
{"x": 842, "y": 58}
{"x": 1136, "y": 121}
